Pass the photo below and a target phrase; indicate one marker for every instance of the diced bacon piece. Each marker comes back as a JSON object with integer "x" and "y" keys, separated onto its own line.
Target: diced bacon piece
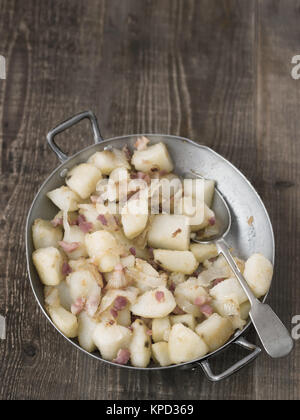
{"x": 120, "y": 303}
{"x": 172, "y": 287}
{"x": 122, "y": 357}
{"x": 57, "y": 221}
{"x": 66, "y": 269}
{"x": 212, "y": 221}
{"x": 141, "y": 143}
{"x": 81, "y": 219}
{"x": 178, "y": 311}
{"x": 78, "y": 306}
{"x": 217, "y": 281}
{"x": 145, "y": 177}
{"x": 114, "y": 313}
{"x": 149, "y": 332}
{"x": 92, "y": 304}
{"x": 159, "y": 296}
{"x": 207, "y": 310}
{"x": 127, "y": 152}
{"x": 84, "y": 226}
{"x": 151, "y": 253}
{"x": 69, "y": 246}
{"x": 132, "y": 251}
{"x": 133, "y": 175}
{"x": 102, "y": 219}
{"x": 200, "y": 300}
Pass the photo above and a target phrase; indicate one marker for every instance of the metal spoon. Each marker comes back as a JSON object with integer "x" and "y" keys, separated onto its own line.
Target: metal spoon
{"x": 274, "y": 336}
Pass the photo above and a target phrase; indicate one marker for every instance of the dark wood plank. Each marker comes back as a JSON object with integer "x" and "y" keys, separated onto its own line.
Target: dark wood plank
{"x": 211, "y": 70}
{"x": 277, "y": 174}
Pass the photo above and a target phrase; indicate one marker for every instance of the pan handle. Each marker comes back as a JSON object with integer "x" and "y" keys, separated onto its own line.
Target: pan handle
{"x": 69, "y": 123}
{"x": 237, "y": 366}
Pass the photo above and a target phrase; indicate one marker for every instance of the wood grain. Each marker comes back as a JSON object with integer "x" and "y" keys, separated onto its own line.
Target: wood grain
{"x": 216, "y": 71}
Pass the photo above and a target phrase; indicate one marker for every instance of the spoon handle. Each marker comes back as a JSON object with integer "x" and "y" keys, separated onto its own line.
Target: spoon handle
{"x": 274, "y": 336}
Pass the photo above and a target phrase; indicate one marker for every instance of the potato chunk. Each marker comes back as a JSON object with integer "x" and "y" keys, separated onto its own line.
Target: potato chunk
{"x": 83, "y": 285}
{"x": 103, "y": 248}
{"x": 64, "y": 295}
{"x": 48, "y": 263}
{"x": 186, "y": 294}
{"x": 64, "y": 320}
{"x": 130, "y": 293}
{"x": 156, "y": 303}
{"x": 161, "y": 328}
{"x": 204, "y": 252}
{"x": 188, "y": 320}
{"x": 110, "y": 339}
{"x": 169, "y": 231}
{"x": 160, "y": 353}
{"x": 83, "y": 179}
{"x": 229, "y": 289}
{"x": 245, "y": 310}
{"x": 45, "y": 235}
{"x": 230, "y": 309}
{"x": 124, "y": 317}
{"x": 75, "y": 235}
{"x": 140, "y": 345}
{"x": 91, "y": 214}
{"x": 258, "y": 273}
{"x": 215, "y": 331}
{"x": 86, "y": 328}
{"x": 108, "y": 160}
{"x": 185, "y": 345}
{"x": 144, "y": 276}
{"x": 179, "y": 261}
{"x": 197, "y": 213}
{"x": 200, "y": 189}
{"x": 134, "y": 224}
{"x": 64, "y": 198}
{"x": 135, "y": 216}
{"x": 156, "y": 156}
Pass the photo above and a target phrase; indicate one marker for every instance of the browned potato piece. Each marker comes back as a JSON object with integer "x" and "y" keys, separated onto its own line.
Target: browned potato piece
{"x": 169, "y": 231}
{"x": 44, "y": 234}
{"x": 48, "y": 263}
{"x": 83, "y": 179}
{"x": 178, "y": 261}
{"x": 215, "y": 331}
{"x": 156, "y": 156}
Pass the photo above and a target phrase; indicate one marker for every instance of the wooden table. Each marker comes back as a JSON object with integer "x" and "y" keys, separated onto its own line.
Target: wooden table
{"x": 216, "y": 71}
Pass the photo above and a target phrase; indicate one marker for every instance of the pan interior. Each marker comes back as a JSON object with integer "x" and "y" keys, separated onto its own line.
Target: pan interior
{"x": 187, "y": 156}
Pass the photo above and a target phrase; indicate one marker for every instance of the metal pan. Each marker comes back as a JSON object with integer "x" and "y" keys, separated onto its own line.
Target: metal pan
{"x": 242, "y": 198}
